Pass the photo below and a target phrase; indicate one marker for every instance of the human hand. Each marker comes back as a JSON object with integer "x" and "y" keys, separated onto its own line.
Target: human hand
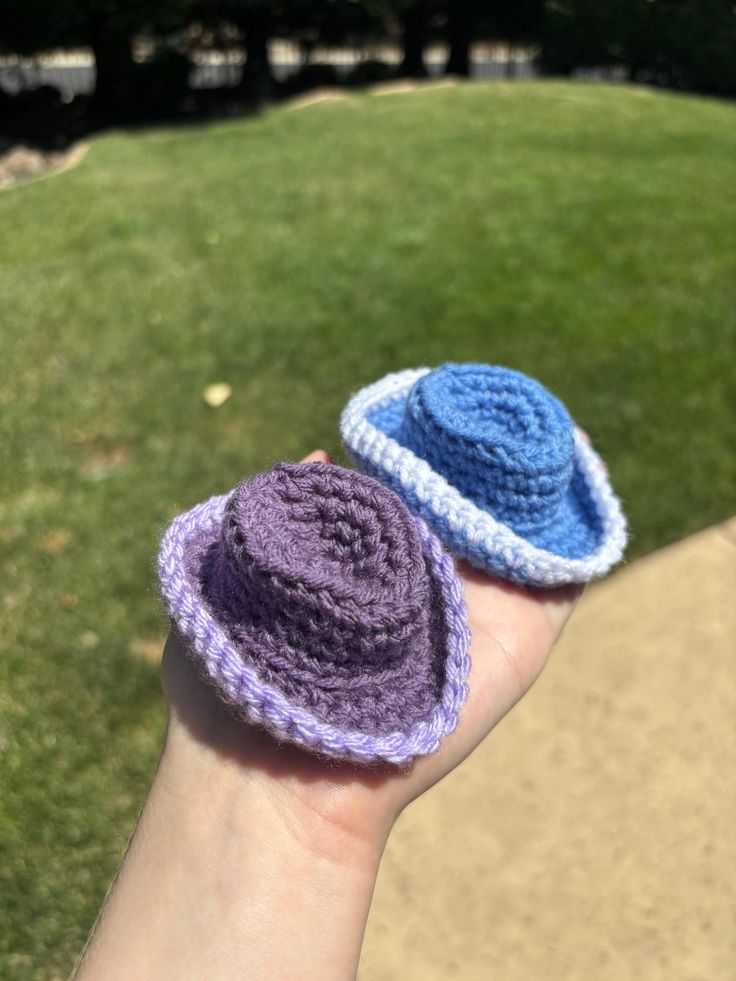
{"x": 260, "y": 858}
{"x": 513, "y": 630}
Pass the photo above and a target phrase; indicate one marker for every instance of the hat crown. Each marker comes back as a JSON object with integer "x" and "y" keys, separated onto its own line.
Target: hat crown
{"x": 325, "y": 564}
{"x": 498, "y": 436}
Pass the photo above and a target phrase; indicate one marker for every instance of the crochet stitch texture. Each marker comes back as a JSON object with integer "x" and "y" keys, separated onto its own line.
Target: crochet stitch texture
{"x": 494, "y": 463}
{"x": 323, "y": 610}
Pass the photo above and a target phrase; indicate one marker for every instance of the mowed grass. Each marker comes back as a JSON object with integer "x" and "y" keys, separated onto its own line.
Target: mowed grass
{"x": 583, "y": 234}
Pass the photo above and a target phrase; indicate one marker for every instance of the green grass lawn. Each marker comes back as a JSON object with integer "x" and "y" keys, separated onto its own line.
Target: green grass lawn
{"x": 584, "y": 234}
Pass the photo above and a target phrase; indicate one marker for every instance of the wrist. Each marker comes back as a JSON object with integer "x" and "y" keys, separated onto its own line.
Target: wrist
{"x": 229, "y": 868}
{"x": 294, "y": 879}
{"x": 323, "y": 811}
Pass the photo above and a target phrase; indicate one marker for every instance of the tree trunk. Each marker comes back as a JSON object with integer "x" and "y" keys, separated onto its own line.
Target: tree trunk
{"x": 459, "y": 36}
{"x": 257, "y": 74}
{"x": 510, "y": 66}
{"x": 110, "y": 41}
{"x": 414, "y": 26}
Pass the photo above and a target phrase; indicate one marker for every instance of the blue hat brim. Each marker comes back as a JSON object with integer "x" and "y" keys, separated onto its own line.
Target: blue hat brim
{"x": 587, "y": 538}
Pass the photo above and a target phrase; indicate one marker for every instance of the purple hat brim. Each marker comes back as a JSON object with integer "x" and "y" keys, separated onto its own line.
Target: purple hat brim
{"x": 239, "y": 683}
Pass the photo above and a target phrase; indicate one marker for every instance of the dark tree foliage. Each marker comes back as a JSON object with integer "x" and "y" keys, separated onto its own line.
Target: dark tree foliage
{"x": 687, "y": 44}
{"x": 253, "y": 23}
{"x": 414, "y": 21}
{"x": 699, "y": 45}
{"x": 462, "y": 16}
{"x": 513, "y": 23}
{"x": 108, "y": 27}
{"x": 517, "y": 23}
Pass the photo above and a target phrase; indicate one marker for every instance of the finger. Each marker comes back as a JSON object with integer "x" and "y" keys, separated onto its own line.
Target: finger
{"x": 317, "y": 456}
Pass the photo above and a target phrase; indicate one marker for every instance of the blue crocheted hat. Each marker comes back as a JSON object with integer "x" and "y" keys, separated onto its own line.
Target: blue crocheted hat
{"x": 494, "y": 463}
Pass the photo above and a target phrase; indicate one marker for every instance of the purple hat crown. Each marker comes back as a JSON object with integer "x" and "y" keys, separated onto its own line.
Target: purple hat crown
{"x": 319, "y": 576}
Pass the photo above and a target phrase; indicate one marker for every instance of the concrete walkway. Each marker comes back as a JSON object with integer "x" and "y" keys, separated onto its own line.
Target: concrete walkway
{"x": 593, "y": 836}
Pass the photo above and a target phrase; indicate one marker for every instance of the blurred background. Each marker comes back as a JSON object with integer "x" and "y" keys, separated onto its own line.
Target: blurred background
{"x": 82, "y": 64}
{"x": 221, "y": 219}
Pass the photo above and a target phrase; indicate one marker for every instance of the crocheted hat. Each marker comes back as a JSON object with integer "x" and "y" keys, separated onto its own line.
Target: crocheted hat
{"x": 495, "y": 465}
{"x": 321, "y": 609}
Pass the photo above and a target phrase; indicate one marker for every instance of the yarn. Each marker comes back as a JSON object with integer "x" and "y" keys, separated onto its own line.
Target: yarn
{"x": 495, "y": 465}
{"x": 504, "y": 442}
{"x": 323, "y": 610}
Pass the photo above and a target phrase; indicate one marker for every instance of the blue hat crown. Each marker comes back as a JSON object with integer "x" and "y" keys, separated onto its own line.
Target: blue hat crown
{"x": 498, "y": 436}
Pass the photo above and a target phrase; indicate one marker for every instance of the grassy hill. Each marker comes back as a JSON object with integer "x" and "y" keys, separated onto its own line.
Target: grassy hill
{"x": 584, "y": 234}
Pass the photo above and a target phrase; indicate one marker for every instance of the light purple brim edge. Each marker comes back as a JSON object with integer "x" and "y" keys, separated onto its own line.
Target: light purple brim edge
{"x": 240, "y": 685}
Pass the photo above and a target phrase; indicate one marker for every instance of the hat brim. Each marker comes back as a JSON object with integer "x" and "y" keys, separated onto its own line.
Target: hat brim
{"x": 239, "y": 683}
{"x": 586, "y": 540}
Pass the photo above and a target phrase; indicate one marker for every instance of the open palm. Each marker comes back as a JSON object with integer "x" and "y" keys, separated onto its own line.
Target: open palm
{"x": 513, "y": 632}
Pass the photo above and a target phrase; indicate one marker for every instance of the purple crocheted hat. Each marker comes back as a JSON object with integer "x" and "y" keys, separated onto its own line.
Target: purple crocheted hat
{"x": 322, "y": 610}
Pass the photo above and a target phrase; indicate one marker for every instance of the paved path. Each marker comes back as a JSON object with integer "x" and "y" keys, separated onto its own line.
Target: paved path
{"x": 593, "y": 836}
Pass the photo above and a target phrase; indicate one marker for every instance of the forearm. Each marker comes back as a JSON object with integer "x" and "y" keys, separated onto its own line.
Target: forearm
{"x": 225, "y": 879}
